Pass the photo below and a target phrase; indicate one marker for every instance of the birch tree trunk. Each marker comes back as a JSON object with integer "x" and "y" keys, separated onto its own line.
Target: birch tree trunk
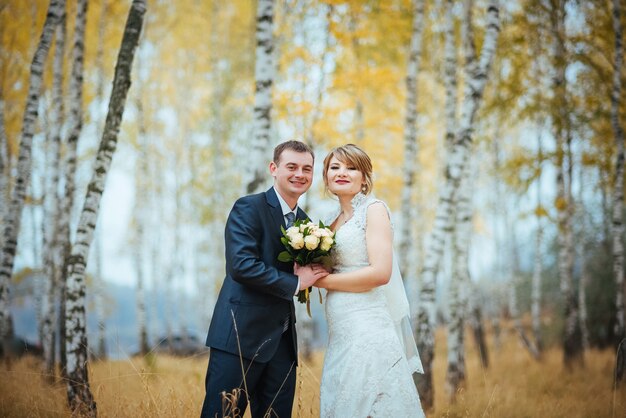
{"x": 535, "y": 304}
{"x": 617, "y": 229}
{"x": 582, "y": 256}
{"x": 410, "y": 139}
{"x": 358, "y": 120}
{"x": 572, "y": 339}
{"x": 476, "y": 78}
{"x": 12, "y": 220}
{"x": 460, "y": 282}
{"x": 99, "y": 288}
{"x": 49, "y": 329}
{"x": 455, "y": 373}
{"x": 4, "y": 169}
{"x": 264, "y": 72}
{"x": 141, "y": 174}
{"x": 75, "y": 120}
{"x": 101, "y": 351}
{"x": 79, "y": 395}
{"x": 5, "y": 185}
{"x": 317, "y": 107}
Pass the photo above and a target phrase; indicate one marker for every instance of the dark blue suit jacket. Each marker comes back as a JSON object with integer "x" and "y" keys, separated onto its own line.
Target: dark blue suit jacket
{"x": 258, "y": 290}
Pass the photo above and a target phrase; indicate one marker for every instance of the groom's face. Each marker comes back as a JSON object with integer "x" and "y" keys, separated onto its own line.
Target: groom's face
{"x": 293, "y": 173}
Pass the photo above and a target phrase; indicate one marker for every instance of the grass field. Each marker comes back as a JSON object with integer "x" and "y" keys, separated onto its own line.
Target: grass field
{"x": 513, "y": 386}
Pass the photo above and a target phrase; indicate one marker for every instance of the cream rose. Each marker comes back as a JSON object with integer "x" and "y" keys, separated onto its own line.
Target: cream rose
{"x": 311, "y": 242}
{"x": 326, "y": 243}
{"x": 296, "y": 241}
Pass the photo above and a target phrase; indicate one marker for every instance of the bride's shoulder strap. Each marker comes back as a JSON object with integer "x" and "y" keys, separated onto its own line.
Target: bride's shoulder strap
{"x": 362, "y": 215}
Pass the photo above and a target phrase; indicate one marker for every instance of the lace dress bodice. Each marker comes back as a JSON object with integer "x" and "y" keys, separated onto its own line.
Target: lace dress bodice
{"x": 365, "y": 373}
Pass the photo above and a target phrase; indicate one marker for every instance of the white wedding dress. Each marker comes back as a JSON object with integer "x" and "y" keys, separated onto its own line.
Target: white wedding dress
{"x": 365, "y": 373}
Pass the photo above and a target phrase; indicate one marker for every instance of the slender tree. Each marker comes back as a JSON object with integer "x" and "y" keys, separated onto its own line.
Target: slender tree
{"x": 264, "y": 79}
{"x": 4, "y": 166}
{"x": 49, "y": 329}
{"x": 141, "y": 175}
{"x": 79, "y": 395}
{"x": 617, "y": 229}
{"x": 321, "y": 86}
{"x": 459, "y": 286}
{"x": 476, "y": 79}
{"x": 359, "y": 121}
{"x": 455, "y": 374}
{"x": 572, "y": 339}
{"x": 410, "y": 136}
{"x": 99, "y": 286}
{"x": 535, "y": 305}
{"x": 99, "y": 279}
{"x": 75, "y": 119}
{"x": 583, "y": 248}
{"x": 13, "y": 217}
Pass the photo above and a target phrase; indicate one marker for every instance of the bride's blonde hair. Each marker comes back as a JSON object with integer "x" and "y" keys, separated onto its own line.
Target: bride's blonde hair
{"x": 351, "y": 154}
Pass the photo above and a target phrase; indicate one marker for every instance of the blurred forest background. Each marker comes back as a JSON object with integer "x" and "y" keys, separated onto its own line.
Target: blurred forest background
{"x": 496, "y": 133}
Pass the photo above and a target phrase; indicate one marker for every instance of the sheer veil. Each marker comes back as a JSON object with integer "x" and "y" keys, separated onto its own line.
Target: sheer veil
{"x": 398, "y": 306}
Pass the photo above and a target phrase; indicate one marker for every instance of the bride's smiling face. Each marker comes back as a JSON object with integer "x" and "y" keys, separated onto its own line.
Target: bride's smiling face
{"x": 343, "y": 178}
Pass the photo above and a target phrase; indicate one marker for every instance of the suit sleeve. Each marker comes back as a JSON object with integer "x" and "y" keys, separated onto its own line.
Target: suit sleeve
{"x": 243, "y": 239}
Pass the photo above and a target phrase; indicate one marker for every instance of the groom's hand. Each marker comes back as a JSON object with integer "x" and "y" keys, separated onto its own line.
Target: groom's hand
{"x": 308, "y": 275}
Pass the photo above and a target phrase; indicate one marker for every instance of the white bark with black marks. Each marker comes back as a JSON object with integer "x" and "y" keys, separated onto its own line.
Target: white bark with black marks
{"x": 51, "y": 267}
{"x": 99, "y": 288}
{"x": 75, "y": 122}
{"x": 459, "y": 285}
{"x": 264, "y": 73}
{"x": 12, "y": 221}
{"x": 406, "y": 238}
{"x": 461, "y": 228}
{"x": 4, "y": 170}
{"x": 572, "y": 339}
{"x": 78, "y": 391}
{"x": 476, "y": 79}
{"x": 617, "y": 225}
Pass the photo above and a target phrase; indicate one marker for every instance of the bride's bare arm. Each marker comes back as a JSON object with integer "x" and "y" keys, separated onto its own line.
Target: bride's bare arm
{"x": 379, "y": 241}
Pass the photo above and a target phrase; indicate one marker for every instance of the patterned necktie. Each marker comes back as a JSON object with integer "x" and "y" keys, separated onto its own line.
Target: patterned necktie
{"x": 291, "y": 217}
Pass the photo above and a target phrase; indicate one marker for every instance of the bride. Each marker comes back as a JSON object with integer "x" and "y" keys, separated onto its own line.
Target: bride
{"x": 371, "y": 352}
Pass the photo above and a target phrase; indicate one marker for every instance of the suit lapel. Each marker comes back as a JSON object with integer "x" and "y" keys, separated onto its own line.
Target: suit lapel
{"x": 301, "y": 215}
{"x": 276, "y": 211}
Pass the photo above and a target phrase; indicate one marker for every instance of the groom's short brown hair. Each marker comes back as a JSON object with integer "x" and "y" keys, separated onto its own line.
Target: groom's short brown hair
{"x": 293, "y": 145}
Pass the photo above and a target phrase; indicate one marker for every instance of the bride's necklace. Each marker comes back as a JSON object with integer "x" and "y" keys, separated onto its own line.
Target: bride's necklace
{"x": 342, "y": 219}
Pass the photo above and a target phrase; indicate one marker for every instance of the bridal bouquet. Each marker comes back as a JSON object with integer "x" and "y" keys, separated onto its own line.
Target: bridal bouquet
{"x": 306, "y": 243}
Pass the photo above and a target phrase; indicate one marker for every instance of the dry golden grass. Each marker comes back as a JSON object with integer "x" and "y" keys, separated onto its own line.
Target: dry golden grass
{"x": 514, "y": 386}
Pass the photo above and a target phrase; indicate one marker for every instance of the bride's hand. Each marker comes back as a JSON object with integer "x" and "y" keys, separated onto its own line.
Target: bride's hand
{"x": 309, "y": 274}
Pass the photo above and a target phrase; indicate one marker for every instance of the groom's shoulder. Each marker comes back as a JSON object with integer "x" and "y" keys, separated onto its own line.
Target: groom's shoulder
{"x": 251, "y": 199}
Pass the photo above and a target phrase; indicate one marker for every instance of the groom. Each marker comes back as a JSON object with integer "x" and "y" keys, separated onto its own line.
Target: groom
{"x": 252, "y": 328}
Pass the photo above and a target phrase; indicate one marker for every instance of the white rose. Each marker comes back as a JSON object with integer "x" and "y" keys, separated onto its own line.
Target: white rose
{"x": 323, "y": 232}
{"x": 292, "y": 232}
{"x": 327, "y": 242}
{"x": 297, "y": 241}
{"x": 311, "y": 242}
